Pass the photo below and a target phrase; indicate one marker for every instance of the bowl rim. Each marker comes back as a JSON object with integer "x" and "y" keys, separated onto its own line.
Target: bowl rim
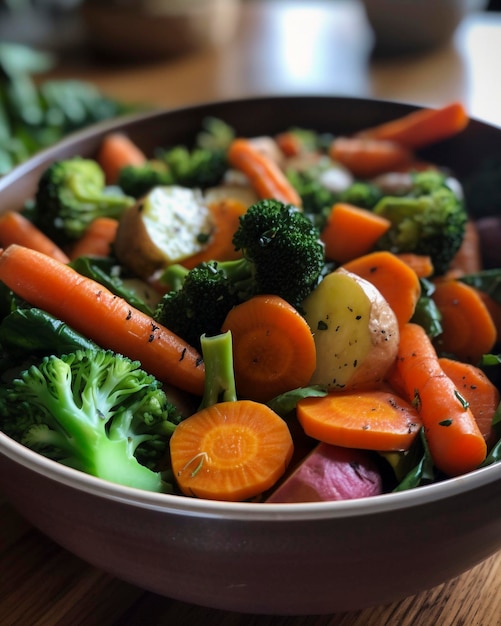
{"x": 245, "y": 511}
{"x": 198, "y": 507}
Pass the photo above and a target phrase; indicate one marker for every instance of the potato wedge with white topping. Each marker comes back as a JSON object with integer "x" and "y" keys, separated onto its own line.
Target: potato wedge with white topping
{"x": 166, "y": 226}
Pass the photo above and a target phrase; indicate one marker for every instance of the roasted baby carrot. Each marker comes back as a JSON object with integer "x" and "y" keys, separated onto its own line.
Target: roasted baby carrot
{"x": 468, "y": 328}
{"x": 117, "y": 150}
{"x": 370, "y": 420}
{"x": 97, "y": 239}
{"x": 351, "y": 231}
{"x": 230, "y": 451}
{"x": 366, "y": 157}
{"x": 456, "y": 444}
{"x": 264, "y": 175}
{"x": 395, "y": 280}
{"x": 16, "y": 228}
{"x": 89, "y": 308}
{"x": 422, "y": 127}
{"x": 273, "y": 347}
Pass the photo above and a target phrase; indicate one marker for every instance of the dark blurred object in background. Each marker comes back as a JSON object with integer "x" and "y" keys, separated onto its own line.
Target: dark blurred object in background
{"x": 414, "y": 26}
{"x": 46, "y": 24}
{"x": 145, "y": 30}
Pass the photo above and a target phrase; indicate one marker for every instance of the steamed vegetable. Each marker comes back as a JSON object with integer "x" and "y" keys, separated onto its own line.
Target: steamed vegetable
{"x": 331, "y": 473}
{"x": 275, "y": 240}
{"x": 166, "y": 226}
{"x": 110, "y": 321}
{"x": 265, "y": 176}
{"x": 71, "y": 193}
{"x": 355, "y": 330}
{"x": 95, "y": 411}
{"x": 394, "y": 279}
{"x": 232, "y": 449}
{"x": 430, "y": 220}
{"x": 456, "y": 444}
{"x": 422, "y": 127}
{"x": 273, "y": 347}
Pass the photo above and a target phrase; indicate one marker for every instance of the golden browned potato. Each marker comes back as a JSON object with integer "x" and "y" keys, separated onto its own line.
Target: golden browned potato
{"x": 355, "y": 331}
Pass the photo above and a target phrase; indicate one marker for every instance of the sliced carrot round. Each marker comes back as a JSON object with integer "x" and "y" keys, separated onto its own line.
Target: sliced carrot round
{"x": 230, "y": 451}
{"x": 368, "y": 420}
{"x": 273, "y": 347}
{"x": 468, "y": 328}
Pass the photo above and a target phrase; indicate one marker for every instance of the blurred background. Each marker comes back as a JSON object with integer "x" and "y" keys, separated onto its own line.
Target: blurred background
{"x": 68, "y": 63}
{"x": 71, "y": 24}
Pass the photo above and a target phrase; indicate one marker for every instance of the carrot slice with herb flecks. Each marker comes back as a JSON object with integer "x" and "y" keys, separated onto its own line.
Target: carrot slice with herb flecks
{"x": 468, "y": 330}
{"x": 273, "y": 347}
{"x": 479, "y": 391}
{"x": 91, "y": 309}
{"x": 230, "y": 451}
{"x": 369, "y": 420}
{"x": 456, "y": 444}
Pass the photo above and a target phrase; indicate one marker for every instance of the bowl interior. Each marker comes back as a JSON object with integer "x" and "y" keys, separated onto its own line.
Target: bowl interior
{"x": 251, "y": 117}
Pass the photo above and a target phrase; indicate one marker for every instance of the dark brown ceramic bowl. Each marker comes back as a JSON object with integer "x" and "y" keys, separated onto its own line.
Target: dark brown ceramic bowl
{"x": 260, "y": 558}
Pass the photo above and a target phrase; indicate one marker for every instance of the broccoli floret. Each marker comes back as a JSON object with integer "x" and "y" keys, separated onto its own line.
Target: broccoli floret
{"x": 198, "y": 167}
{"x": 95, "y": 411}
{"x": 429, "y": 220}
{"x": 318, "y": 199}
{"x": 202, "y": 166}
{"x": 198, "y": 301}
{"x": 363, "y": 194}
{"x": 137, "y": 180}
{"x": 71, "y": 193}
{"x": 282, "y": 255}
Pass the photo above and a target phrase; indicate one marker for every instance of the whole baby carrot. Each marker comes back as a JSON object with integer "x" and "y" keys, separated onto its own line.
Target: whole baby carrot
{"x": 456, "y": 444}
{"x": 264, "y": 175}
{"x": 422, "y": 127}
{"x": 16, "y": 228}
{"x": 89, "y": 308}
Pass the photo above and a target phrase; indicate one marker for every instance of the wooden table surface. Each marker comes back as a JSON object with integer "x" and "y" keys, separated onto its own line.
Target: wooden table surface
{"x": 282, "y": 47}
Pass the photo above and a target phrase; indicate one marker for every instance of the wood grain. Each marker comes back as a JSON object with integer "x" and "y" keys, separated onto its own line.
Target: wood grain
{"x": 42, "y": 584}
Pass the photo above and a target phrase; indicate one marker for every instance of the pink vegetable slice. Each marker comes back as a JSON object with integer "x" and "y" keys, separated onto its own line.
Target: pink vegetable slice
{"x": 331, "y": 473}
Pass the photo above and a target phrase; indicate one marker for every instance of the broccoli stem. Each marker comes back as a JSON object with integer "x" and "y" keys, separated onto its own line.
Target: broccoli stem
{"x": 217, "y": 352}
{"x": 115, "y": 462}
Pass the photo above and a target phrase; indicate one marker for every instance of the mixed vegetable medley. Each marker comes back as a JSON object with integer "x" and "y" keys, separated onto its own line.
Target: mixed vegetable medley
{"x": 288, "y": 318}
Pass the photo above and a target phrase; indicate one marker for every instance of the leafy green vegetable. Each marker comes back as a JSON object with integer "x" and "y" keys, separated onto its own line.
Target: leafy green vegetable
{"x": 108, "y": 272}
{"x": 36, "y": 115}
{"x": 488, "y": 281}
